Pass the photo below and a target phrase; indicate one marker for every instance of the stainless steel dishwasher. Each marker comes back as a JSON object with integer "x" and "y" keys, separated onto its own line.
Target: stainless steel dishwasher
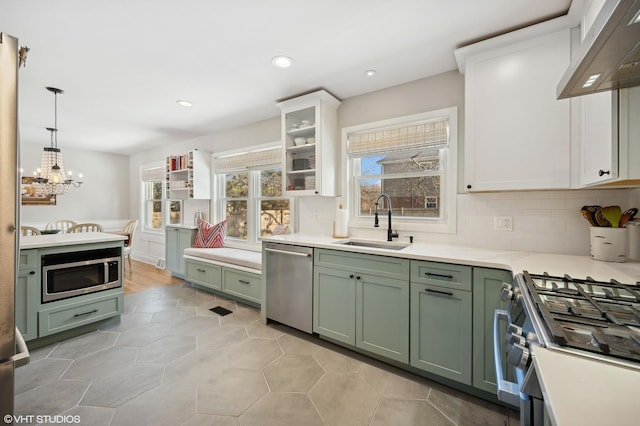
{"x": 289, "y": 285}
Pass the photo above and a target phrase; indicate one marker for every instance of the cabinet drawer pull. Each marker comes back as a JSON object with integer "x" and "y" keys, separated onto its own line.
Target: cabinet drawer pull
{"x": 201, "y": 270}
{"x": 85, "y": 313}
{"x": 602, "y": 172}
{"x": 446, "y": 293}
{"x": 244, "y": 282}
{"x": 431, "y": 274}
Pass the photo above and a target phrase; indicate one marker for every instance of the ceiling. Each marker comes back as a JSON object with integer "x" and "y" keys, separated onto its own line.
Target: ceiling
{"x": 124, "y": 63}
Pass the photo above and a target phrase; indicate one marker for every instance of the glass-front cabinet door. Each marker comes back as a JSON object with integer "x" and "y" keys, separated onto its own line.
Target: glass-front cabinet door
{"x": 310, "y": 141}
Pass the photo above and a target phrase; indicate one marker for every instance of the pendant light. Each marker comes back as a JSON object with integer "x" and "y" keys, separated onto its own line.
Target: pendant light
{"x": 50, "y": 178}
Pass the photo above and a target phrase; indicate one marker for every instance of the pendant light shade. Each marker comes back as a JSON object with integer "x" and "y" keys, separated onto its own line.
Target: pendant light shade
{"x": 50, "y": 178}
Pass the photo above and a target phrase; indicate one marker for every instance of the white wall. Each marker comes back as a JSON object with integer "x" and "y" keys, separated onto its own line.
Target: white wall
{"x": 102, "y": 198}
{"x": 543, "y": 221}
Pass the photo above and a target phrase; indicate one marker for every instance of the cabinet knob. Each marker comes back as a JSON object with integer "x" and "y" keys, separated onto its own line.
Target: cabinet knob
{"x": 468, "y": 186}
{"x": 358, "y": 277}
{"x": 316, "y": 192}
{"x": 602, "y": 172}
{"x": 32, "y": 272}
{"x": 350, "y": 275}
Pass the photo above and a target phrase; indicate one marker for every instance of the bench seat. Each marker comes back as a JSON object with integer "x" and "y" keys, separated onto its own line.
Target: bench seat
{"x": 248, "y": 259}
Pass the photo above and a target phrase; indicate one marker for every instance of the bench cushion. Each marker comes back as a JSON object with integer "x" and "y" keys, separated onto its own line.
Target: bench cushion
{"x": 246, "y": 258}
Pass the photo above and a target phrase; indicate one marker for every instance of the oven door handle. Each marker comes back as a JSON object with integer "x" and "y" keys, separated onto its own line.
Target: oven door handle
{"x": 508, "y": 392}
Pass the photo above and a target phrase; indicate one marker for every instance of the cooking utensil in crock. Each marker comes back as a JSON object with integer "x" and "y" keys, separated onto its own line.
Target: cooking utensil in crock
{"x": 600, "y": 219}
{"x": 588, "y": 213}
{"x": 627, "y": 216}
{"x": 612, "y": 214}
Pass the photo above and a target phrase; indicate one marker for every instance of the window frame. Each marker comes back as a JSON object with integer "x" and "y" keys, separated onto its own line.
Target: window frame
{"x": 145, "y": 189}
{"x": 449, "y": 176}
{"x": 254, "y": 197}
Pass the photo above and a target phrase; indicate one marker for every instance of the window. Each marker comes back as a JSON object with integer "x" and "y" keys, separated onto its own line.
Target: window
{"x": 251, "y": 199}
{"x": 235, "y": 201}
{"x": 413, "y": 161}
{"x": 155, "y": 202}
{"x": 153, "y": 206}
{"x": 275, "y": 211}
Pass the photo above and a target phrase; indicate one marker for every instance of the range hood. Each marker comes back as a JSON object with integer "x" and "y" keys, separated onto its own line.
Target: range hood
{"x": 610, "y": 51}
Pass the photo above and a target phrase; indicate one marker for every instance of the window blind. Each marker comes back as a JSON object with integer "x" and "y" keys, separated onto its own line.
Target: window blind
{"x": 153, "y": 174}
{"x": 248, "y": 160}
{"x": 432, "y": 134}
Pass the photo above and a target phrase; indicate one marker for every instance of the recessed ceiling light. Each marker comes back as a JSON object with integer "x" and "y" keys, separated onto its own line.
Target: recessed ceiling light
{"x": 281, "y": 61}
{"x": 370, "y": 73}
{"x": 184, "y": 103}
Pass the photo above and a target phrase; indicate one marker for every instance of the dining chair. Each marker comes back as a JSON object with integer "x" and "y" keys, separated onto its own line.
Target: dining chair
{"x": 129, "y": 228}
{"x": 63, "y": 225}
{"x": 29, "y": 230}
{"x": 85, "y": 227}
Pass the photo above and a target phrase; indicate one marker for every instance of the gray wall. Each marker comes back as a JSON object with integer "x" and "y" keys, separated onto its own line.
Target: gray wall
{"x": 103, "y": 198}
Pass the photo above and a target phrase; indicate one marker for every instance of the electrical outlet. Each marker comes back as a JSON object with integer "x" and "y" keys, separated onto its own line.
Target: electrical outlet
{"x": 503, "y": 223}
{"x": 160, "y": 264}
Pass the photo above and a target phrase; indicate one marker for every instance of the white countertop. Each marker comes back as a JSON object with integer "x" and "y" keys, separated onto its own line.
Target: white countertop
{"x": 515, "y": 261}
{"x": 577, "y": 390}
{"x": 56, "y": 240}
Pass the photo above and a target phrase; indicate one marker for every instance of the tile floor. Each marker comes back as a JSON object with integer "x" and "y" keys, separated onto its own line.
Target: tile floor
{"x": 171, "y": 361}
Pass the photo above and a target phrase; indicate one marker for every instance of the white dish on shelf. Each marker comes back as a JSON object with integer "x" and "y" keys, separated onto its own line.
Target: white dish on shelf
{"x": 311, "y": 140}
{"x": 299, "y": 141}
{"x": 305, "y": 123}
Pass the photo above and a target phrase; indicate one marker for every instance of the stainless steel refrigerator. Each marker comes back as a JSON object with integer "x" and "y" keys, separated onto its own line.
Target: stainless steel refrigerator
{"x": 10, "y": 355}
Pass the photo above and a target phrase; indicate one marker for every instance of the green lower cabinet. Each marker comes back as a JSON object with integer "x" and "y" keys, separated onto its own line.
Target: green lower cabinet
{"x": 382, "y": 316}
{"x": 487, "y": 284}
{"x": 334, "y": 304}
{"x": 176, "y": 240}
{"x": 26, "y": 306}
{"x": 441, "y": 331}
{"x": 205, "y": 274}
{"x": 242, "y": 284}
{"x": 75, "y": 312}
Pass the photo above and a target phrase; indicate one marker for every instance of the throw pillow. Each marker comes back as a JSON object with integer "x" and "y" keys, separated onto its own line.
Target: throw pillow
{"x": 210, "y": 236}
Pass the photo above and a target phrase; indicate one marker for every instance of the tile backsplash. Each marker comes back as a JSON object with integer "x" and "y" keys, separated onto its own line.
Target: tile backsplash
{"x": 542, "y": 221}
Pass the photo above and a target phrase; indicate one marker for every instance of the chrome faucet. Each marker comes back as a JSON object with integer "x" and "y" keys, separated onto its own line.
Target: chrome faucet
{"x": 390, "y": 234}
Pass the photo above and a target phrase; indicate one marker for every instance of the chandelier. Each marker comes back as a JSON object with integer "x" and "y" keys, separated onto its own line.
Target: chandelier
{"x": 50, "y": 178}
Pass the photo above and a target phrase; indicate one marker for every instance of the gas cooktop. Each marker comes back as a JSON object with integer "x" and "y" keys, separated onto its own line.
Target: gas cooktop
{"x": 595, "y": 316}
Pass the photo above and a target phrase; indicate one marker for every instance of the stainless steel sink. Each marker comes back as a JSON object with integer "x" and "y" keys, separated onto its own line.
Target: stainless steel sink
{"x": 374, "y": 244}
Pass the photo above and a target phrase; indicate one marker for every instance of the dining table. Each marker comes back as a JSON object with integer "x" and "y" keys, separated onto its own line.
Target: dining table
{"x": 125, "y": 233}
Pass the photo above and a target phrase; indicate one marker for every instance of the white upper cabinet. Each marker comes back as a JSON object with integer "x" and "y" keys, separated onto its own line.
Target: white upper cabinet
{"x": 310, "y": 144}
{"x": 597, "y": 137}
{"x": 517, "y": 134}
{"x": 189, "y": 176}
{"x": 629, "y": 137}
{"x": 608, "y": 138}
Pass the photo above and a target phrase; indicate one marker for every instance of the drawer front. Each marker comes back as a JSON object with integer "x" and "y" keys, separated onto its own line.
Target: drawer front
{"x": 28, "y": 259}
{"x": 242, "y": 284}
{"x": 73, "y": 315}
{"x": 383, "y": 266}
{"x": 441, "y": 274}
{"x": 205, "y": 274}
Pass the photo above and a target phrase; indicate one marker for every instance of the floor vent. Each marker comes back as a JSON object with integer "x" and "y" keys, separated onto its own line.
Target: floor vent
{"x": 220, "y": 311}
{"x": 160, "y": 264}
